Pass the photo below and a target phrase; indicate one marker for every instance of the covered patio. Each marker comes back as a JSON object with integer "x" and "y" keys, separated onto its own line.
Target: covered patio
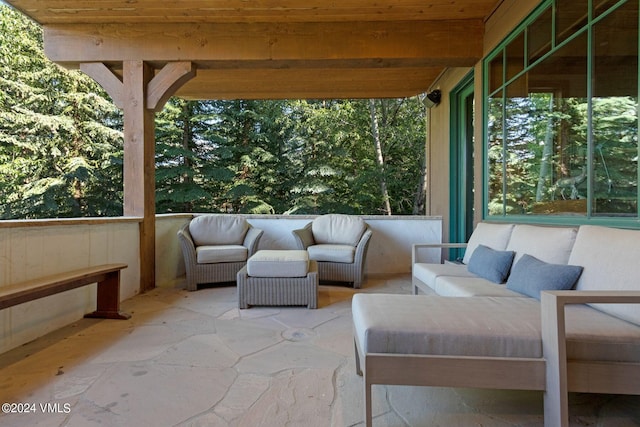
{"x": 143, "y": 52}
{"x": 260, "y": 366}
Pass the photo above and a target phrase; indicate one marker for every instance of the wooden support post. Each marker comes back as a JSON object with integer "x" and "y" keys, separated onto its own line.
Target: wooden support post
{"x": 140, "y": 93}
{"x": 139, "y": 163}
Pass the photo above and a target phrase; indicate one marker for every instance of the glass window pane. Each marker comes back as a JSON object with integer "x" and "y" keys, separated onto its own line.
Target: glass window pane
{"x": 495, "y": 73}
{"x": 615, "y": 116}
{"x": 515, "y": 56}
{"x": 539, "y": 36}
{"x": 546, "y": 122}
{"x": 571, "y": 15}
{"x": 600, "y": 6}
{"x": 495, "y": 154}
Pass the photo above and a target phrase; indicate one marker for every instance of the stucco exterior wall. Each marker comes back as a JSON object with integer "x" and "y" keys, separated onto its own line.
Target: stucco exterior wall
{"x": 497, "y": 27}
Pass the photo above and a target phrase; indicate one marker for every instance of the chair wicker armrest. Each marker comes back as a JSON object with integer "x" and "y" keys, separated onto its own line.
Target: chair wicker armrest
{"x": 360, "y": 257}
{"x": 252, "y": 239}
{"x": 554, "y": 345}
{"x": 303, "y": 237}
{"x": 189, "y": 254}
{"x": 188, "y": 247}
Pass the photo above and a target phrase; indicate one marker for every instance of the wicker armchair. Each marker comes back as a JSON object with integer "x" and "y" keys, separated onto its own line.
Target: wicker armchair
{"x": 338, "y": 243}
{"x": 216, "y": 247}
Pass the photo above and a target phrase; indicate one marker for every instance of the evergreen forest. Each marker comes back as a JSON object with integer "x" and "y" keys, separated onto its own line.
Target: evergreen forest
{"x": 61, "y": 147}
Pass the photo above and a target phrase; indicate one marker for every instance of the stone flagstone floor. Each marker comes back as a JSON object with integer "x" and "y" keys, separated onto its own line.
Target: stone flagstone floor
{"x": 194, "y": 359}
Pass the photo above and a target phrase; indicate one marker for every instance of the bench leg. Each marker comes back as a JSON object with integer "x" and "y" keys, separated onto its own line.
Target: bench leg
{"x": 368, "y": 418}
{"x": 108, "y": 299}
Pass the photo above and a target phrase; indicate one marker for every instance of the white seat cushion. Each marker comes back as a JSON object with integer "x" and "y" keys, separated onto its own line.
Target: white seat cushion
{"x": 338, "y": 229}
{"x": 435, "y": 325}
{"x": 221, "y": 253}
{"x": 428, "y": 273}
{"x": 451, "y": 286}
{"x": 218, "y": 230}
{"x": 484, "y": 326}
{"x": 332, "y": 253}
{"x": 278, "y": 263}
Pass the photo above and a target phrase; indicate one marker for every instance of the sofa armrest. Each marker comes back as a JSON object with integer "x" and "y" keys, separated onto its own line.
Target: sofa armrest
{"x": 252, "y": 239}
{"x": 554, "y": 346}
{"x": 304, "y": 237}
{"x": 417, "y": 246}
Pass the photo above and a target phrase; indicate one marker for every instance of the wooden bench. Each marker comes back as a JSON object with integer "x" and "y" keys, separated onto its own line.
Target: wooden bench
{"x": 107, "y": 277}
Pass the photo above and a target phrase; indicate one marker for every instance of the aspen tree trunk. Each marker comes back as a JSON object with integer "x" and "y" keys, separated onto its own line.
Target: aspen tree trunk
{"x": 375, "y": 131}
{"x": 186, "y": 144}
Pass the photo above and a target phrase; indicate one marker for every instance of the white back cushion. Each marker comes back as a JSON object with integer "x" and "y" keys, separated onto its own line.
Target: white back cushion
{"x": 218, "y": 229}
{"x": 548, "y": 244}
{"x": 611, "y": 261}
{"x": 495, "y": 236}
{"x": 338, "y": 229}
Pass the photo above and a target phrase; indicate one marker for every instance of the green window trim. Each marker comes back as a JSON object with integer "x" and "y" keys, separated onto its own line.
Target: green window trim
{"x": 568, "y": 173}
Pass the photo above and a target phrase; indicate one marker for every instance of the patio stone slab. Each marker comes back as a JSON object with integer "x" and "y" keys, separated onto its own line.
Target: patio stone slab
{"x": 192, "y": 359}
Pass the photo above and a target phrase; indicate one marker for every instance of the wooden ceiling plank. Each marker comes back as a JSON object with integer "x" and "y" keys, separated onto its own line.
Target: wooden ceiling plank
{"x": 321, "y": 83}
{"x": 97, "y": 11}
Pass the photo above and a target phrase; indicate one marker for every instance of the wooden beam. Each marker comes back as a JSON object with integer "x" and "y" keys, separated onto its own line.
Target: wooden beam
{"x": 99, "y": 11}
{"x": 106, "y": 78}
{"x": 453, "y": 40}
{"x": 170, "y": 78}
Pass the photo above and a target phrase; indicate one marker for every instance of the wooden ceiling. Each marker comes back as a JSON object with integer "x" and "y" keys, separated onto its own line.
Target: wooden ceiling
{"x": 272, "y": 49}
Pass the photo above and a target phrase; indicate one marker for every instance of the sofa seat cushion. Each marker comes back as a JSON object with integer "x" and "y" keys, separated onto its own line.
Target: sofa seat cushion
{"x": 221, "y": 253}
{"x": 594, "y": 335}
{"x": 338, "y": 229}
{"x": 485, "y": 327}
{"x": 548, "y": 244}
{"x": 428, "y": 273}
{"x": 451, "y": 286}
{"x": 278, "y": 263}
{"x": 436, "y": 325}
{"x": 332, "y": 253}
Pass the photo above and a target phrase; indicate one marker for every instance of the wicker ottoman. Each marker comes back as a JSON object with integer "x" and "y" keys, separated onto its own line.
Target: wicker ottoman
{"x": 278, "y": 277}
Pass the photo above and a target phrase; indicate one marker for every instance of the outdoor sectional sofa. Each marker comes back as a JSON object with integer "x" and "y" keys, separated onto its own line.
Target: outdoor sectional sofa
{"x": 470, "y": 332}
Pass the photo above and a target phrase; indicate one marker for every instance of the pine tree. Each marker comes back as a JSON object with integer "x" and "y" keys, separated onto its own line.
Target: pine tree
{"x": 60, "y": 136}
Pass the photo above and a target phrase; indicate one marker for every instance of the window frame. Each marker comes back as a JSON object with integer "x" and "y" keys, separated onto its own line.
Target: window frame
{"x": 632, "y": 221}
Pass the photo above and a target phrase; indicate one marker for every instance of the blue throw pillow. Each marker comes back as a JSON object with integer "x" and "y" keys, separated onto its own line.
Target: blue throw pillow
{"x": 490, "y": 264}
{"x": 529, "y": 276}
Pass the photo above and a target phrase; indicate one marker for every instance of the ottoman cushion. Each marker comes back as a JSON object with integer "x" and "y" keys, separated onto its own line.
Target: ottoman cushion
{"x": 278, "y": 263}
